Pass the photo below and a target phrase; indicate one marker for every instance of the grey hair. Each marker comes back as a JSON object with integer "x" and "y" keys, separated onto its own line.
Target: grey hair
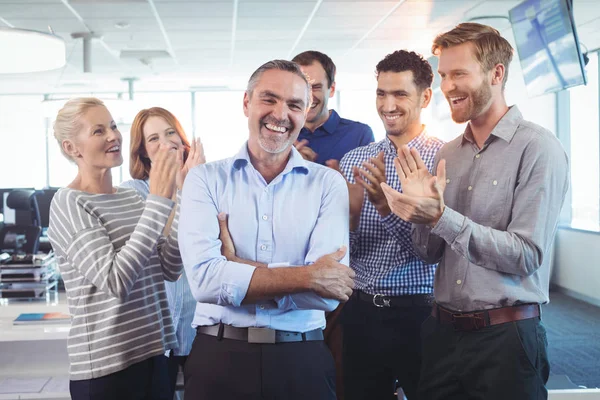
{"x": 281, "y": 65}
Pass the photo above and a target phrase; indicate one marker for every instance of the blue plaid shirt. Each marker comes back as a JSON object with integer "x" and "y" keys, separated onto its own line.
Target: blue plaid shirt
{"x": 381, "y": 251}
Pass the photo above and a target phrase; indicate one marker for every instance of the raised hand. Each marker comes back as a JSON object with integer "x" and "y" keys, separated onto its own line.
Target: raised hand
{"x": 415, "y": 178}
{"x": 330, "y": 279}
{"x": 164, "y": 170}
{"x": 356, "y": 194}
{"x": 422, "y": 200}
{"x": 306, "y": 152}
{"x": 371, "y": 177}
{"x": 195, "y": 157}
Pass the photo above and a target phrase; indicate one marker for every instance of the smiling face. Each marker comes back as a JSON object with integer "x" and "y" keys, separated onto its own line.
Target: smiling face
{"x": 98, "y": 144}
{"x": 466, "y": 86}
{"x": 399, "y": 102}
{"x": 157, "y": 131}
{"x": 321, "y": 93}
{"x": 276, "y": 111}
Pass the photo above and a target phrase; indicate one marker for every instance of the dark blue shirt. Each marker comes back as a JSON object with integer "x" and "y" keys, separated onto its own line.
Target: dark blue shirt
{"x": 336, "y": 137}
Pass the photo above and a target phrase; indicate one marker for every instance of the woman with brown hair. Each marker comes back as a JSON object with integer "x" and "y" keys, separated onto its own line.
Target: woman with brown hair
{"x": 152, "y": 128}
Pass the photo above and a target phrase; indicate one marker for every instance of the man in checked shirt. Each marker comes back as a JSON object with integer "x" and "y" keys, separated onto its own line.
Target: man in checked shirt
{"x": 381, "y": 321}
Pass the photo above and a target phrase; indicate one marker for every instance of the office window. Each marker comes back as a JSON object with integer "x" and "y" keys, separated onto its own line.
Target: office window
{"x": 23, "y": 159}
{"x": 585, "y": 151}
{"x": 220, "y": 123}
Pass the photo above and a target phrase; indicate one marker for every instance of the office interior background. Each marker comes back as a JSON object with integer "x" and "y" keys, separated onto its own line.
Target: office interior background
{"x": 194, "y": 58}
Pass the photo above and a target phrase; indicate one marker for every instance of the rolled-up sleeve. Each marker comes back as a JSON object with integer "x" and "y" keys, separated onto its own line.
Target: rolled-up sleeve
{"x": 212, "y": 278}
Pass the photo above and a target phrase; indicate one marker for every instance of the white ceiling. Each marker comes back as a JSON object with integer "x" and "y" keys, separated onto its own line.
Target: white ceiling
{"x": 219, "y": 43}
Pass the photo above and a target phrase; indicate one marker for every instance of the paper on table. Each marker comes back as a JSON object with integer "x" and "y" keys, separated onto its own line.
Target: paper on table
{"x": 57, "y": 385}
{"x": 22, "y": 385}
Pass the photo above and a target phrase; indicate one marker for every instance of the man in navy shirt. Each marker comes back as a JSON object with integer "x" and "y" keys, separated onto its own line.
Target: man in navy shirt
{"x": 325, "y": 136}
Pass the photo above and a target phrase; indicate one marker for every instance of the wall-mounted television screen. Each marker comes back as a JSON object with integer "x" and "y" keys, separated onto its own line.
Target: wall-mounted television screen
{"x": 547, "y": 45}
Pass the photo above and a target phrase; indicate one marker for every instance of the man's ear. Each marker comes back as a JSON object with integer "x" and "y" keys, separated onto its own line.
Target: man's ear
{"x": 246, "y": 101}
{"x": 426, "y": 97}
{"x": 69, "y": 148}
{"x": 332, "y": 90}
{"x": 498, "y": 73}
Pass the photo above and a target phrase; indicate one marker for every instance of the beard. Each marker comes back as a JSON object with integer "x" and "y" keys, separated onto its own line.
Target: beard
{"x": 478, "y": 101}
{"x": 275, "y": 143}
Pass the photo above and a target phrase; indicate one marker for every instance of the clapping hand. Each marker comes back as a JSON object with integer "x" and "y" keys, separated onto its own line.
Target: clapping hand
{"x": 195, "y": 157}
{"x": 306, "y": 152}
{"x": 422, "y": 197}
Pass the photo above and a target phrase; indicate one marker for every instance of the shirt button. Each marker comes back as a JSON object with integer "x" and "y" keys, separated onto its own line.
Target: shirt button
{"x": 470, "y": 188}
{"x": 266, "y": 189}
{"x": 458, "y": 282}
{"x": 265, "y": 217}
{"x": 262, "y": 307}
{"x": 447, "y": 180}
{"x": 478, "y": 155}
{"x": 263, "y": 247}
{"x": 495, "y": 183}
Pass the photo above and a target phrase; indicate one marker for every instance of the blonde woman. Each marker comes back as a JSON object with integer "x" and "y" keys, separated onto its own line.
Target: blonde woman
{"x": 114, "y": 260}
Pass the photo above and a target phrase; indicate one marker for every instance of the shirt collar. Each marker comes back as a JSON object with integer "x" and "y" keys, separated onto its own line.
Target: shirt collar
{"x": 505, "y": 129}
{"x": 295, "y": 162}
{"x": 417, "y": 142}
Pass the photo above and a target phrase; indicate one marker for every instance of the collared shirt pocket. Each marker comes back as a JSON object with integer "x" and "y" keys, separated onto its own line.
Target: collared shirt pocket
{"x": 452, "y": 192}
{"x": 489, "y": 199}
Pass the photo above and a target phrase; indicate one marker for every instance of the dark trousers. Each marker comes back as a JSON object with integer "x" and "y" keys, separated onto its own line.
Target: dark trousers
{"x": 228, "y": 369}
{"x": 333, "y": 340}
{"x": 500, "y": 362}
{"x": 381, "y": 345}
{"x": 173, "y": 365}
{"x": 145, "y": 380}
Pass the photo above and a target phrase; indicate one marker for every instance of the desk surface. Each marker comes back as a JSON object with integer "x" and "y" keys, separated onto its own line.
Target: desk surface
{"x": 13, "y": 333}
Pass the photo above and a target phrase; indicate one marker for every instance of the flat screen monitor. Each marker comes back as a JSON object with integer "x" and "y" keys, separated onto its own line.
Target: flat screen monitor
{"x": 547, "y": 45}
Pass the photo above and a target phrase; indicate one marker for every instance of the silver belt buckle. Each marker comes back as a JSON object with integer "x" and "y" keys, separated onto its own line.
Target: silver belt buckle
{"x": 384, "y": 302}
{"x": 261, "y": 335}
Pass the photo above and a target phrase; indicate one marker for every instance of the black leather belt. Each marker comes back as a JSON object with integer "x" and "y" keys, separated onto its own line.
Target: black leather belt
{"x": 382, "y": 301}
{"x": 259, "y": 335}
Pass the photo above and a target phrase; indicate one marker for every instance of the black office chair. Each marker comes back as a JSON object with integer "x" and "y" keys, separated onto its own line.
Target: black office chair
{"x": 23, "y": 236}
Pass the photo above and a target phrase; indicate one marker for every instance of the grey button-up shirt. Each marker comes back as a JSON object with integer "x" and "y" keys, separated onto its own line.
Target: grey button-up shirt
{"x": 502, "y": 201}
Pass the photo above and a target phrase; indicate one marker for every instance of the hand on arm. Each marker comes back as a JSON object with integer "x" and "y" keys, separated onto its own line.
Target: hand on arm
{"x": 327, "y": 278}
{"x": 306, "y": 152}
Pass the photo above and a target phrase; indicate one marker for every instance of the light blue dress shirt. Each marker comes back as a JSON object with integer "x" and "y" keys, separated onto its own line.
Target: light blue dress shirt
{"x": 292, "y": 221}
{"x": 181, "y": 302}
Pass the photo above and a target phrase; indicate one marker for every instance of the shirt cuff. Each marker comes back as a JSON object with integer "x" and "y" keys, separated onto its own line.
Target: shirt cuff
{"x": 449, "y": 225}
{"x": 235, "y": 284}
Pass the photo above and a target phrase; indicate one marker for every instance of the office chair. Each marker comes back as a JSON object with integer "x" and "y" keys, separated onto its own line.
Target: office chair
{"x": 22, "y": 236}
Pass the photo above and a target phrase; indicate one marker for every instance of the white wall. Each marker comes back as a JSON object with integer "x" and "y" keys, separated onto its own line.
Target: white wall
{"x": 577, "y": 264}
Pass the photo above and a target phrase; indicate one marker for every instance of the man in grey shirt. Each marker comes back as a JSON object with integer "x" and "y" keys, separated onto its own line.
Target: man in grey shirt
{"x": 490, "y": 221}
